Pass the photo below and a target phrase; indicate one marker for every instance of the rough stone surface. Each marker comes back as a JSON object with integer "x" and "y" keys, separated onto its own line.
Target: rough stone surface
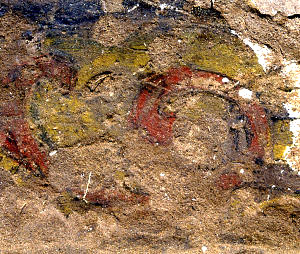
{"x": 142, "y": 126}
{"x": 272, "y": 7}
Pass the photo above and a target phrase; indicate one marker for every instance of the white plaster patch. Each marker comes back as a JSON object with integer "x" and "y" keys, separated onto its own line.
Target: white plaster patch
{"x": 52, "y": 153}
{"x": 292, "y": 110}
{"x": 225, "y": 80}
{"x": 291, "y": 72}
{"x": 133, "y": 8}
{"x": 245, "y": 93}
{"x": 263, "y": 54}
{"x": 290, "y": 156}
{"x": 233, "y": 32}
{"x": 166, "y": 6}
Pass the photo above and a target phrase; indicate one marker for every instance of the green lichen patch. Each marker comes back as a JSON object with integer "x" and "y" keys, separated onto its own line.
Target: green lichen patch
{"x": 66, "y": 204}
{"x": 282, "y": 138}
{"x": 62, "y": 120}
{"x": 287, "y": 203}
{"x": 208, "y": 104}
{"x": 109, "y": 59}
{"x": 8, "y": 163}
{"x": 197, "y": 107}
{"x": 221, "y": 53}
{"x": 139, "y": 41}
{"x": 82, "y": 50}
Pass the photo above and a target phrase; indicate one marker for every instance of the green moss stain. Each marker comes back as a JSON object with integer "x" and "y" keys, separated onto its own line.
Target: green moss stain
{"x": 8, "y": 163}
{"x": 66, "y": 204}
{"x": 282, "y": 138}
{"x": 120, "y": 175}
{"x": 82, "y": 50}
{"x": 201, "y": 105}
{"x": 208, "y": 104}
{"x": 64, "y": 121}
{"x": 139, "y": 41}
{"x": 285, "y": 203}
{"x": 20, "y": 175}
{"x": 221, "y": 54}
{"x": 131, "y": 59}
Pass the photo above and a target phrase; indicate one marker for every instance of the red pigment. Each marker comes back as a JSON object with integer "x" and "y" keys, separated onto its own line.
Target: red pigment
{"x": 229, "y": 181}
{"x": 15, "y": 134}
{"x": 259, "y": 127}
{"x": 42, "y": 66}
{"x": 17, "y": 140}
{"x": 107, "y": 197}
{"x": 159, "y": 125}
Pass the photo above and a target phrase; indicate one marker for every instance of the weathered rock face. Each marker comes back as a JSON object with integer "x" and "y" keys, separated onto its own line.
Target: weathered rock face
{"x": 272, "y": 7}
{"x": 149, "y": 126}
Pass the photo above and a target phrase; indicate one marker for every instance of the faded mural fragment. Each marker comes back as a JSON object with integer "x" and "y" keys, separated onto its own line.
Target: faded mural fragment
{"x": 147, "y": 125}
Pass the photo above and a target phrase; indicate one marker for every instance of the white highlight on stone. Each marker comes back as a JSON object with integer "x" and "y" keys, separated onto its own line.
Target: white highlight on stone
{"x": 162, "y": 174}
{"x": 166, "y": 6}
{"x": 292, "y": 110}
{"x": 291, "y": 73}
{"x": 104, "y": 7}
{"x": 53, "y": 153}
{"x": 245, "y": 93}
{"x": 242, "y": 171}
{"x": 233, "y": 32}
{"x": 204, "y": 248}
{"x": 87, "y": 188}
{"x": 133, "y": 8}
{"x": 225, "y": 80}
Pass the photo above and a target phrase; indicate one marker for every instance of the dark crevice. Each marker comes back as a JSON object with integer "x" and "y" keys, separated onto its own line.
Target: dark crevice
{"x": 294, "y": 16}
{"x": 259, "y": 14}
{"x": 3, "y": 9}
{"x": 211, "y": 12}
{"x": 97, "y": 79}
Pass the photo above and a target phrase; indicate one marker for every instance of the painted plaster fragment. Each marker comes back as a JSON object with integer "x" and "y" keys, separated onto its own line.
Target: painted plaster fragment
{"x": 260, "y": 128}
{"x": 111, "y": 197}
{"x": 158, "y": 124}
{"x": 229, "y": 180}
{"x": 231, "y": 58}
{"x": 62, "y": 120}
{"x": 15, "y": 135}
{"x": 112, "y": 58}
